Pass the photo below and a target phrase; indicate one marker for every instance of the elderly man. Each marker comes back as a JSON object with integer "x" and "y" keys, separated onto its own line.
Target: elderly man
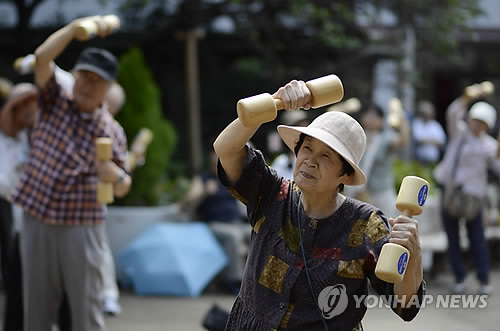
{"x": 63, "y": 223}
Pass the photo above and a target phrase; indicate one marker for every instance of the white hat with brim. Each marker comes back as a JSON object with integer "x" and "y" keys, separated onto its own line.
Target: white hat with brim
{"x": 484, "y": 112}
{"x": 337, "y": 130}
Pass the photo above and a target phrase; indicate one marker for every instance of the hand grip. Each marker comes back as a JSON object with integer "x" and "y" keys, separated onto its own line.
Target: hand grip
{"x": 279, "y": 104}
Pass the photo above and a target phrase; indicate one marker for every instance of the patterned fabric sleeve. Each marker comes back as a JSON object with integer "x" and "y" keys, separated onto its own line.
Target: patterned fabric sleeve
{"x": 385, "y": 289}
{"x": 49, "y": 94}
{"x": 257, "y": 183}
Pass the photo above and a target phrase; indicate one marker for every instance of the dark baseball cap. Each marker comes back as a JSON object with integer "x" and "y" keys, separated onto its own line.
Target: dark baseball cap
{"x": 98, "y": 61}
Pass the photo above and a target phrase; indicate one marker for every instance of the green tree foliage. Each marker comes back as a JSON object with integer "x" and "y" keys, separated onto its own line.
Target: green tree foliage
{"x": 436, "y": 22}
{"x": 288, "y": 35}
{"x": 402, "y": 168}
{"x": 143, "y": 109}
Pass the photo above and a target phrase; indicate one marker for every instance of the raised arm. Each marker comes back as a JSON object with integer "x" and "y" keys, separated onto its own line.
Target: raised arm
{"x": 230, "y": 147}
{"x": 455, "y": 116}
{"x": 51, "y": 48}
{"x": 230, "y": 144}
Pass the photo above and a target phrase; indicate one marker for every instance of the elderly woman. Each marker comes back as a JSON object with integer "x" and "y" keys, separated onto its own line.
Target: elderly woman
{"x": 471, "y": 152}
{"x": 306, "y": 236}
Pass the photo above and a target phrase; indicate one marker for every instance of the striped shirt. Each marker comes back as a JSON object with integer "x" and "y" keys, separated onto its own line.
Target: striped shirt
{"x": 59, "y": 185}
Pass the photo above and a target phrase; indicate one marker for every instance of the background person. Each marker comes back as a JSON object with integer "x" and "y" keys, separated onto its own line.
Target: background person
{"x": 468, "y": 156}
{"x": 383, "y": 144}
{"x": 428, "y": 134}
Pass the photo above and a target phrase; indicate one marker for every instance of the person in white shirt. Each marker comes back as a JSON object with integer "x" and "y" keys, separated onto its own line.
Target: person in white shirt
{"x": 428, "y": 134}
{"x": 470, "y": 153}
{"x": 16, "y": 117}
{"x": 18, "y": 114}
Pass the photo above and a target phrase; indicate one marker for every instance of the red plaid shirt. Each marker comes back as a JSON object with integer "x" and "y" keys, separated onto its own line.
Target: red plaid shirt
{"x": 59, "y": 185}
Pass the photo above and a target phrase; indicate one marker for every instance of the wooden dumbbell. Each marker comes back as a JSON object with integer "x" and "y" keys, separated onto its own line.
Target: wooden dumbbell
{"x": 395, "y": 111}
{"x": 349, "y": 106}
{"x": 104, "y": 152}
{"x": 475, "y": 91}
{"x": 393, "y": 259}
{"x": 24, "y": 65}
{"x": 5, "y": 87}
{"x": 264, "y": 108}
{"x": 88, "y": 28}
{"x": 139, "y": 147}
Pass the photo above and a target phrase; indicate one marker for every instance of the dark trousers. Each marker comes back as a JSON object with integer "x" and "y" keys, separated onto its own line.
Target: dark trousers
{"x": 6, "y": 222}
{"x": 12, "y": 276}
{"x": 13, "y": 314}
{"x": 477, "y": 245}
{"x": 11, "y": 271}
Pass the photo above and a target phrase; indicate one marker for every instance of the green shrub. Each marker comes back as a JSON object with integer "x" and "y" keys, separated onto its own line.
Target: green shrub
{"x": 143, "y": 109}
{"x": 403, "y": 168}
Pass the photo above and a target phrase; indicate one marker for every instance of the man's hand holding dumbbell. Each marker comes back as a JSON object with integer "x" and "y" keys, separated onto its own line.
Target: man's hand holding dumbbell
{"x": 109, "y": 172}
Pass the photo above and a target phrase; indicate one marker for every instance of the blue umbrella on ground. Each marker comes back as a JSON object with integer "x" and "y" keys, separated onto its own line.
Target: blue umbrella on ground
{"x": 172, "y": 259}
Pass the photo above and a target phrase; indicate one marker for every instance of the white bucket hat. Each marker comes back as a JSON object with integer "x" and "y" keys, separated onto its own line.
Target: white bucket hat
{"x": 485, "y": 112}
{"x": 340, "y": 132}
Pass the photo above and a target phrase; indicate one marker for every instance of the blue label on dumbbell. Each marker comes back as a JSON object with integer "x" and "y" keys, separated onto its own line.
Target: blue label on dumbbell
{"x": 403, "y": 260}
{"x": 422, "y": 195}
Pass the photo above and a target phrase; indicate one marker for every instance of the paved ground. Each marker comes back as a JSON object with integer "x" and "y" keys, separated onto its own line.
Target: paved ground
{"x": 182, "y": 314}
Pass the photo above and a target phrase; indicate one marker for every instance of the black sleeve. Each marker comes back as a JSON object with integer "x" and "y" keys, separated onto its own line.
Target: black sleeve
{"x": 257, "y": 183}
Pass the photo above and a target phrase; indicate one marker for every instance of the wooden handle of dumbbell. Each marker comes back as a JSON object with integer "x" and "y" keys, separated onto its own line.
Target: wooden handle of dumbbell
{"x": 407, "y": 213}
{"x": 88, "y": 28}
{"x": 104, "y": 152}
